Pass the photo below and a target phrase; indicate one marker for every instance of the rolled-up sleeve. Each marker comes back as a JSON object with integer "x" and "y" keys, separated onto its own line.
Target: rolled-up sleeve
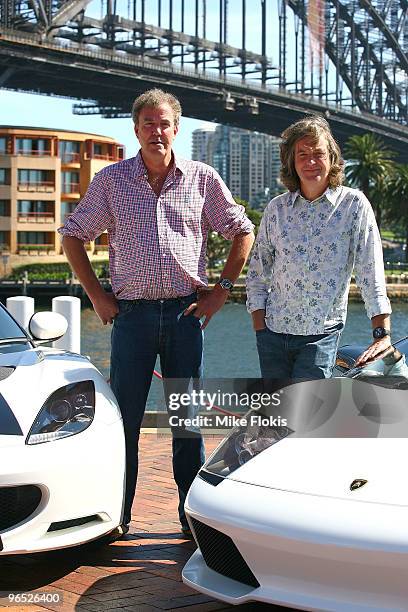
{"x": 224, "y": 215}
{"x": 92, "y": 216}
{"x": 260, "y": 268}
{"x": 369, "y": 264}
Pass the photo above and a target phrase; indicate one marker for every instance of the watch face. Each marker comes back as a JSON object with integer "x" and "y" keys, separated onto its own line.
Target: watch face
{"x": 380, "y": 332}
{"x": 225, "y": 283}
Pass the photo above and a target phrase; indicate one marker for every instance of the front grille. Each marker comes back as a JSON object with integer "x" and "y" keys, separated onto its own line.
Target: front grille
{"x": 221, "y": 554}
{"x": 17, "y": 504}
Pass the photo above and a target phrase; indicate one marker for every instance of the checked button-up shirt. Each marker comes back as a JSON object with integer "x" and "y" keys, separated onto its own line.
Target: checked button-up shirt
{"x": 157, "y": 244}
{"x": 303, "y": 258}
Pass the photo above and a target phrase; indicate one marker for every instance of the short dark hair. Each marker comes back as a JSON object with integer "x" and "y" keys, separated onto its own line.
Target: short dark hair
{"x": 314, "y": 126}
{"x": 154, "y": 98}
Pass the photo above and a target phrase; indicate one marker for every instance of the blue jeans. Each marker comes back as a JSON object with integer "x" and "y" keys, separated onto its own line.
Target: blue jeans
{"x": 142, "y": 330}
{"x": 291, "y": 356}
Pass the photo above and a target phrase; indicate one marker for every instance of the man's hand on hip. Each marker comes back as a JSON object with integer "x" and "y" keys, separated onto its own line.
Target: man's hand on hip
{"x": 208, "y": 303}
{"x": 106, "y": 307}
{"x": 373, "y": 351}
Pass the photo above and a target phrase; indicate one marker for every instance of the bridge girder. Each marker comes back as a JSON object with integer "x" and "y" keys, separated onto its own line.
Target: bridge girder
{"x": 366, "y": 43}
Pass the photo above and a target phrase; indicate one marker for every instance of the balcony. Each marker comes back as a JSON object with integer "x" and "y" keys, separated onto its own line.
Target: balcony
{"x": 36, "y": 217}
{"x": 33, "y": 153}
{"x": 70, "y": 188}
{"x": 104, "y": 156}
{"x": 40, "y": 186}
{"x": 35, "y": 249}
{"x": 70, "y": 158}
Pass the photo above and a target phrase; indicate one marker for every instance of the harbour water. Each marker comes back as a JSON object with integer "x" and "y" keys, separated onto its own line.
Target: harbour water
{"x": 230, "y": 349}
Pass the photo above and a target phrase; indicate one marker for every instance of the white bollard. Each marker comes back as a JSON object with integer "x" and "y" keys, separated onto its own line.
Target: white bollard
{"x": 70, "y": 307}
{"x": 21, "y": 308}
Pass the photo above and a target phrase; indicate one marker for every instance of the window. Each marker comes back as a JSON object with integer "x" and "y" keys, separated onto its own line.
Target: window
{"x": 3, "y": 145}
{"x": 4, "y": 176}
{"x": 66, "y": 209}
{"x": 70, "y": 182}
{"x": 69, "y": 151}
{"x": 33, "y": 146}
{"x": 38, "y": 179}
{"x": 33, "y": 238}
{"x": 97, "y": 148}
{"x": 4, "y": 208}
{"x": 35, "y": 210}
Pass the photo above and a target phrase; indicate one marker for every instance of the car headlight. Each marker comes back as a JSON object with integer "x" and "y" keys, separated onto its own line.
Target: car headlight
{"x": 68, "y": 411}
{"x": 244, "y": 443}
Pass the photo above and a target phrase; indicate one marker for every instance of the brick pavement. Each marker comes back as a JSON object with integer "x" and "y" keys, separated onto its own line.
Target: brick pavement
{"x": 140, "y": 573}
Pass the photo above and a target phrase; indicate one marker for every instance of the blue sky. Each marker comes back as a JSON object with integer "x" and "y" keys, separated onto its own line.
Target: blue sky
{"x": 52, "y": 112}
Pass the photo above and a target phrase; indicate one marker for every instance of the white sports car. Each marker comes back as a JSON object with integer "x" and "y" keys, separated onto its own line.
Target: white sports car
{"x": 318, "y": 521}
{"x": 62, "y": 450}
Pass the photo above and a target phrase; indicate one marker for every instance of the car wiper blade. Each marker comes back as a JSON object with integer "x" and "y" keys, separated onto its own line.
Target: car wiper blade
{"x": 14, "y": 340}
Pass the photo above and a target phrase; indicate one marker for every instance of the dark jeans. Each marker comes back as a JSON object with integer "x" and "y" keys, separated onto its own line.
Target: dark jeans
{"x": 293, "y": 356}
{"x": 142, "y": 330}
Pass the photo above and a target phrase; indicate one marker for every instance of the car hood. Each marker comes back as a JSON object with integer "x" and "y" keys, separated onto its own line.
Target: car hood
{"x": 329, "y": 467}
{"x": 32, "y": 376}
{"x": 349, "y": 441}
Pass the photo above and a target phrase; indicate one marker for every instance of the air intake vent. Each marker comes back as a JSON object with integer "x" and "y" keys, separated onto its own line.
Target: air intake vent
{"x": 221, "y": 554}
{"x": 17, "y": 504}
{"x": 6, "y": 371}
{"x": 83, "y": 520}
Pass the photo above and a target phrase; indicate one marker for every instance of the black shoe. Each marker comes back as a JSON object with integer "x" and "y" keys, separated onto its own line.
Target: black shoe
{"x": 119, "y": 532}
{"x": 186, "y": 531}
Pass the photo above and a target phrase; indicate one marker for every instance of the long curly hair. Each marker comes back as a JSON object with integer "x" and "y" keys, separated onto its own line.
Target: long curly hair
{"x": 313, "y": 126}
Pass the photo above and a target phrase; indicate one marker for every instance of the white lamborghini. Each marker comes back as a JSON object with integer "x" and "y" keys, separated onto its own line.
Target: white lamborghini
{"x": 316, "y": 521}
{"x": 62, "y": 450}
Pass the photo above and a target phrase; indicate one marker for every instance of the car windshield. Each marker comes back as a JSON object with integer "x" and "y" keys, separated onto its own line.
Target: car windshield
{"x": 9, "y": 328}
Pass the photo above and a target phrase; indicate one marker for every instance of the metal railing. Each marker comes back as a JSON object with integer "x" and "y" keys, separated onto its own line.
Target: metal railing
{"x": 104, "y": 156}
{"x": 70, "y": 158}
{"x": 36, "y": 217}
{"x": 70, "y": 188}
{"x": 33, "y": 152}
{"x": 47, "y": 186}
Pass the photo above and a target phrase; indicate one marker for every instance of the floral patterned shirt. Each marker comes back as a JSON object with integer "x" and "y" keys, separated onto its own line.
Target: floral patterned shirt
{"x": 303, "y": 258}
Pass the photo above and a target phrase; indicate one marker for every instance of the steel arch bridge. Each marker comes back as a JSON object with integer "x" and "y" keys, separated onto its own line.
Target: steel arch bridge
{"x": 345, "y": 58}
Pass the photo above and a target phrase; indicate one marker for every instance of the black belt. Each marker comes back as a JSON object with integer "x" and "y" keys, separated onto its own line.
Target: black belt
{"x": 175, "y": 300}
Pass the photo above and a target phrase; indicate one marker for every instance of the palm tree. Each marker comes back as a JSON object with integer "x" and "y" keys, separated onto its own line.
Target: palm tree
{"x": 369, "y": 166}
{"x": 398, "y": 200}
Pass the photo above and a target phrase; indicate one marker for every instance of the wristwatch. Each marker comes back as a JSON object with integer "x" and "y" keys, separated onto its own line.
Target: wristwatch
{"x": 380, "y": 332}
{"x": 226, "y": 284}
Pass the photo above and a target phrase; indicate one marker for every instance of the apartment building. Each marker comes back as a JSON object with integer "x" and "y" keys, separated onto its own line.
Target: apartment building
{"x": 249, "y": 162}
{"x": 43, "y": 175}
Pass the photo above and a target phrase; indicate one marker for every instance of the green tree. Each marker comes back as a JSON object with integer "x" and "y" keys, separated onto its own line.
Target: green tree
{"x": 218, "y": 248}
{"x": 369, "y": 167}
{"x": 397, "y": 210}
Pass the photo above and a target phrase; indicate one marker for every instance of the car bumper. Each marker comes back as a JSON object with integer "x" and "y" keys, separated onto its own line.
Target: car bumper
{"x": 81, "y": 480}
{"x": 305, "y": 551}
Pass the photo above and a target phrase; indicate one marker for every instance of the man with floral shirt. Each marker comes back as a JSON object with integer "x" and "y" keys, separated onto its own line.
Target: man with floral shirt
{"x": 310, "y": 240}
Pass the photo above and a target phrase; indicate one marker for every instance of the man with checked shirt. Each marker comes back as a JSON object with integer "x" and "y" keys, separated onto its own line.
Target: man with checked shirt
{"x": 157, "y": 209}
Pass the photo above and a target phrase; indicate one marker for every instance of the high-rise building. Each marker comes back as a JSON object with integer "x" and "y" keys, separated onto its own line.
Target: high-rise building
{"x": 248, "y": 161}
{"x": 43, "y": 175}
{"x": 203, "y": 141}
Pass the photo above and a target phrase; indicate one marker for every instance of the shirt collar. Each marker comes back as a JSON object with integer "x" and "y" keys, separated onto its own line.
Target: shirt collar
{"x": 330, "y": 194}
{"x": 141, "y": 170}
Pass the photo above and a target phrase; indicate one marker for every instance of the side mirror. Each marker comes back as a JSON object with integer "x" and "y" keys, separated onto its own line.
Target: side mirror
{"x": 47, "y": 326}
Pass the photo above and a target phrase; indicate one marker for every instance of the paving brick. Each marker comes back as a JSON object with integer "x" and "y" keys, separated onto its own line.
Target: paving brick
{"x": 142, "y": 572}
